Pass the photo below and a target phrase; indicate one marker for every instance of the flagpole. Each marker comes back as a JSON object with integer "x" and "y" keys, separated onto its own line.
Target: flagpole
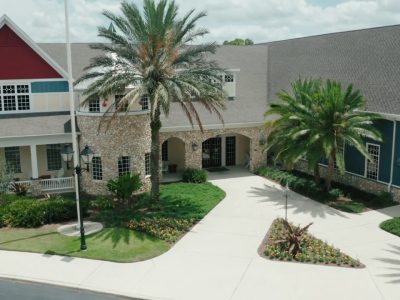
{"x": 72, "y": 111}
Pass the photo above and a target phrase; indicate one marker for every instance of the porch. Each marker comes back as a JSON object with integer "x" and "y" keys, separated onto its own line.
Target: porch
{"x": 52, "y": 185}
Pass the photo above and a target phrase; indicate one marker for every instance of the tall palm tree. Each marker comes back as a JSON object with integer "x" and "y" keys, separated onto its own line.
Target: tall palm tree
{"x": 149, "y": 53}
{"x": 292, "y": 118}
{"x": 317, "y": 120}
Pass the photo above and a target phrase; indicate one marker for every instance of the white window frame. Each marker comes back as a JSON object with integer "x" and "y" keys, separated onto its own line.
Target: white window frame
{"x": 124, "y": 165}
{"x": 101, "y": 168}
{"x": 377, "y": 164}
{"x": 15, "y": 94}
{"x": 228, "y": 75}
{"x": 147, "y": 166}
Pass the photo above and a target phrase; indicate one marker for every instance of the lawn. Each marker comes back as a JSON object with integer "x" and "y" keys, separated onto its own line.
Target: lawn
{"x": 356, "y": 200}
{"x": 392, "y": 226}
{"x": 156, "y": 227}
{"x": 113, "y": 244}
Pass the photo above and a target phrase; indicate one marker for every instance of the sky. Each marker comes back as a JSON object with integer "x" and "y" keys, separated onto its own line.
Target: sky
{"x": 259, "y": 20}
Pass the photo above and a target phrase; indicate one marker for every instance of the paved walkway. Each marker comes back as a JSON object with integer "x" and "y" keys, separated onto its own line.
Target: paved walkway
{"x": 218, "y": 259}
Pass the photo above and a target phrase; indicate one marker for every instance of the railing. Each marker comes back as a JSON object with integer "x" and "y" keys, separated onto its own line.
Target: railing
{"x": 52, "y": 184}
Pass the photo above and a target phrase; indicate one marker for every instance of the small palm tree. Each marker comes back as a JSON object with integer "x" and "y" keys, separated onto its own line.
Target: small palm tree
{"x": 149, "y": 54}
{"x": 316, "y": 121}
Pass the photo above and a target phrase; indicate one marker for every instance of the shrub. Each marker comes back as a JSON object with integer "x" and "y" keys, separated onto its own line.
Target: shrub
{"x": 194, "y": 175}
{"x": 29, "y": 212}
{"x": 335, "y": 193}
{"x": 19, "y": 189}
{"x": 384, "y": 199}
{"x": 102, "y": 203}
{"x": 124, "y": 186}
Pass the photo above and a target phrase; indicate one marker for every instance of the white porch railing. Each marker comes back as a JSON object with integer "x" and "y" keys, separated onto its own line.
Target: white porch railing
{"x": 52, "y": 184}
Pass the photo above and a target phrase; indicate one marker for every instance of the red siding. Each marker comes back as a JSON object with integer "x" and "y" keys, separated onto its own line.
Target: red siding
{"x": 19, "y": 61}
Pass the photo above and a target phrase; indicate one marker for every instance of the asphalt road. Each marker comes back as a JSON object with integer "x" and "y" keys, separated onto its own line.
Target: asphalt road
{"x": 23, "y": 290}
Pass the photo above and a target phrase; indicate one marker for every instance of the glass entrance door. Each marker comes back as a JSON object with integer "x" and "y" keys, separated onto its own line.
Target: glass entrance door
{"x": 211, "y": 153}
{"x": 230, "y": 150}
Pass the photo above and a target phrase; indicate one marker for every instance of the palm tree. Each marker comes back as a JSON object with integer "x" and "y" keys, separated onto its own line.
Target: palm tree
{"x": 149, "y": 53}
{"x": 289, "y": 133}
{"x": 316, "y": 121}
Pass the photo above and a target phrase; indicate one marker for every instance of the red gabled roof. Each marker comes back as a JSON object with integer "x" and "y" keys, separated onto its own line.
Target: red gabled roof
{"x": 19, "y": 61}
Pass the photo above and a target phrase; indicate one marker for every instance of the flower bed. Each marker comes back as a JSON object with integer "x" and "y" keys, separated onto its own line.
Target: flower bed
{"x": 167, "y": 229}
{"x": 312, "y": 250}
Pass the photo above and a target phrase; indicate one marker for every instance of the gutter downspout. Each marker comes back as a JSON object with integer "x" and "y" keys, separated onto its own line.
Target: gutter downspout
{"x": 393, "y": 162}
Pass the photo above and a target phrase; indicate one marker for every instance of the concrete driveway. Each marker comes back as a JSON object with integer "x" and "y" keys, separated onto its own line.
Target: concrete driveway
{"x": 218, "y": 259}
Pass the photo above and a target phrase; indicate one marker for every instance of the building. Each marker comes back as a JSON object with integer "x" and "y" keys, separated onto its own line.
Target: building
{"x": 34, "y": 116}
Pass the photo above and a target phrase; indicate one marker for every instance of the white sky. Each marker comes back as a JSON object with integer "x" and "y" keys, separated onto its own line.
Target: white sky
{"x": 260, "y": 20}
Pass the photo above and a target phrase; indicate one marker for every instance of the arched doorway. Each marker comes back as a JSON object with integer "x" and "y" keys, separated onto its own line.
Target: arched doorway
{"x": 173, "y": 155}
{"x": 226, "y": 150}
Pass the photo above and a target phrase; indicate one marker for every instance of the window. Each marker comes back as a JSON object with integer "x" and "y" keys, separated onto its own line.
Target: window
{"x": 145, "y": 102}
{"x": 53, "y": 153}
{"x": 117, "y": 100}
{"x": 228, "y": 78}
{"x": 14, "y": 97}
{"x": 231, "y": 98}
{"x": 94, "y": 105}
{"x": 97, "y": 169}
{"x": 372, "y": 166}
{"x": 147, "y": 164}
{"x": 13, "y": 159}
{"x": 124, "y": 165}
{"x": 164, "y": 151}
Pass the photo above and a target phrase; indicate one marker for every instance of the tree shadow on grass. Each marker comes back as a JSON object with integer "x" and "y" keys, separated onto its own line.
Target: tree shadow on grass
{"x": 395, "y": 265}
{"x": 29, "y": 238}
{"x": 297, "y": 203}
{"x": 116, "y": 236}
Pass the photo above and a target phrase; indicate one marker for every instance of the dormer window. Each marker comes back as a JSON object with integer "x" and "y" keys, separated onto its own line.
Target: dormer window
{"x": 229, "y": 78}
{"x": 14, "y": 97}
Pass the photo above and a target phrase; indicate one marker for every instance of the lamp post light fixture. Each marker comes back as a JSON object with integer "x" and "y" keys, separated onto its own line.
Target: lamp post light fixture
{"x": 67, "y": 154}
{"x": 87, "y": 157}
{"x": 286, "y": 191}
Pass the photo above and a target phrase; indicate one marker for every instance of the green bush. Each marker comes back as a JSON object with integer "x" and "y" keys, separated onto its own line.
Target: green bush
{"x": 384, "y": 199}
{"x": 124, "y": 186}
{"x": 194, "y": 175}
{"x": 29, "y": 212}
{"x": 335, "y": 193}
{"x": 102, "y": 203}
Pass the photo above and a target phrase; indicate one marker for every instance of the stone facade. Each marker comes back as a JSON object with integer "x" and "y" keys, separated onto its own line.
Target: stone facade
{"x": 354, "y": 180}
{"x": 193, "y": 158}
{"x": 125, "y": 135}
{"x": 129, "y": 135}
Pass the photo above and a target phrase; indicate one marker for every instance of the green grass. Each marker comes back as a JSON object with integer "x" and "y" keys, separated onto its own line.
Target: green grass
{"x": 113, "y": 244}
{"x": 392, "y": 226}
{"x": 178, "y": 201}
{"x": 351, "y": 207}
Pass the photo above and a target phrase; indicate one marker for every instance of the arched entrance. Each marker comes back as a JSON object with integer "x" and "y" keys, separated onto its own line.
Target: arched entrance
{"x": 173, "y": 155}
{"x": 226, "y": 150}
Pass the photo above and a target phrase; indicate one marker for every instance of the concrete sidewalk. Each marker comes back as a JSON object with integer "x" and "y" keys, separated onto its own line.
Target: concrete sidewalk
{"x": 218, "y": 259}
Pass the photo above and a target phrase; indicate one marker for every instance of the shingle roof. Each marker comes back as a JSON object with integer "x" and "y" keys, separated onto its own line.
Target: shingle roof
{"x": 367, "y": 58}
{"x": 35, "y": 124}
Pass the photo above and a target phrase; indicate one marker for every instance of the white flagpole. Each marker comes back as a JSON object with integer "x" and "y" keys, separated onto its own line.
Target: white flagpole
{"x": 72, "y": 109}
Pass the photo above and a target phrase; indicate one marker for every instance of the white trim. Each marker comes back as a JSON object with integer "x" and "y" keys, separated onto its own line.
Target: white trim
{"x": 211, "y": 126}
{"x": 5, "y": 20}
{"x": 392, "y": 158}
{"x": 7, "y": 81}
{"x": 16, "y": 94}
{"x": 378, "y": 163}
{"x": 103, "y": 114}
{"x": 38, "y": 135}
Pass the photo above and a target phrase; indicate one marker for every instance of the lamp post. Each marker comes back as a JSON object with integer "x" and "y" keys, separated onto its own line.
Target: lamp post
{"x": 286, "y": 199}
{"x": 86, "y": 155}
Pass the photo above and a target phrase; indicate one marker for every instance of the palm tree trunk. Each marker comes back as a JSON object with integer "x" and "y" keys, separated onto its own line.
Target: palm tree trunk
{"x": 317, "y": 175}
{"x": 155, "y": 126}
{"x": 329, "y": 173}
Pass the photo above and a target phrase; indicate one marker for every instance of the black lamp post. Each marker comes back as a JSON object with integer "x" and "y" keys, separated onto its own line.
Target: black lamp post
{"x": 87, "y": 157}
